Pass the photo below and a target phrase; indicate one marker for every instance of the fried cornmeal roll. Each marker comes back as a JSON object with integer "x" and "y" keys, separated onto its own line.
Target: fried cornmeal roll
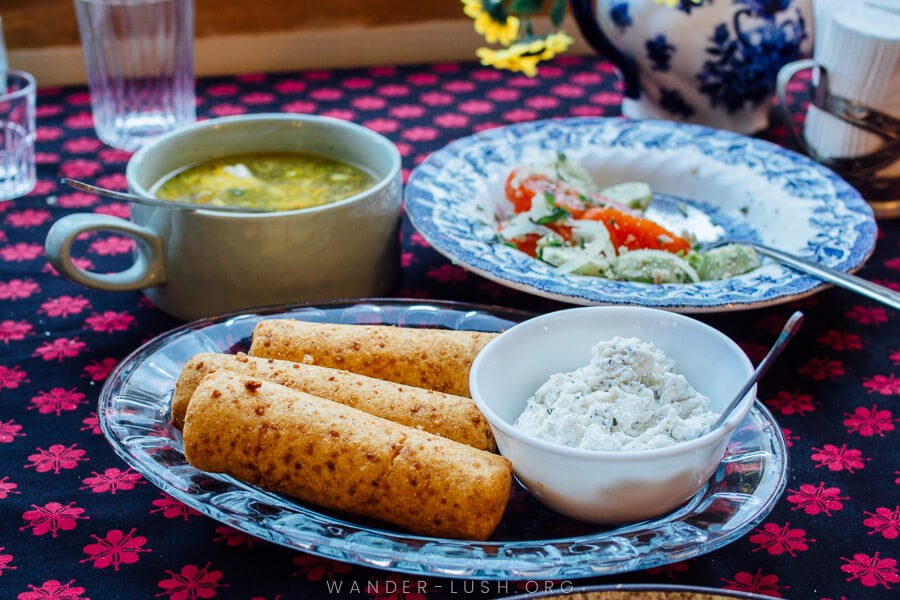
{"x": 453, "y": 417}
{"x": 434, "y": 359}
{"x": 342, "y": 458}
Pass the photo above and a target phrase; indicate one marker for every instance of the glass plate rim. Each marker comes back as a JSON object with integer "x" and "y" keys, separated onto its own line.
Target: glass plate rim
{"x": 412, "y": 554}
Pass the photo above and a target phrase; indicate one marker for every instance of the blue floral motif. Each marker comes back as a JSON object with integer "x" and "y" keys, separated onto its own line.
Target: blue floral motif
{"x": 660, "y": 52}
{"x": 672, "y": 101}
{"x": 686, "y": 6}
{"x": 742, "y": 69}
{"x": 620, "y": 15}
{"x": 764, "y": 8}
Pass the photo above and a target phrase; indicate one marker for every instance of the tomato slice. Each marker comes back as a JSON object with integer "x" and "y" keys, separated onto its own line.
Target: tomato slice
{"x": 636, "y": 232}
{"x": 522, "y": 186}
{"x": 528, "y": 243}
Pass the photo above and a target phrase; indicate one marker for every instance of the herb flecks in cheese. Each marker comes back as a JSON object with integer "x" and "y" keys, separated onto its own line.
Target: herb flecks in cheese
{"x": 627, "y": 398}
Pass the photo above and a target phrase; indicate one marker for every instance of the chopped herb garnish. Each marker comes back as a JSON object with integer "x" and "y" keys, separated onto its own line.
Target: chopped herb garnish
{"x": 558, "y": 214}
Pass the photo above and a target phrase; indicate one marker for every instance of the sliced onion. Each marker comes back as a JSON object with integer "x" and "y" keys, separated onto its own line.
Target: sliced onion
{"x": 520, "y": 228}
{"x": 599, "y": 252}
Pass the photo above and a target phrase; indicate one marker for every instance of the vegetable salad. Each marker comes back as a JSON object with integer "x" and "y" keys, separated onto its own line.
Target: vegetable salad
{"x": 559, "y": 216}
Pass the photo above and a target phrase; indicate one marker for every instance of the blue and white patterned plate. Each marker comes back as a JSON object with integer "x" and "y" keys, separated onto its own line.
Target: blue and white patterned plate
{"x": 727, "y": 185}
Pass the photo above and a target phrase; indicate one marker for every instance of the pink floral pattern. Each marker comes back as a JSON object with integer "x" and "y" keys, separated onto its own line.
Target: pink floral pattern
{"x": 56, "y": 458}
{"x": 884, "y": 521}
{"x": 78, "y": 524}
{"x": 52, "y": 518}
{"x": 54, "y": 590}
{"x": 112, "y": 480}
{"x": 192, "y": 583}
{"x": 780, "y": 539}
{"x": 115, "y": 549}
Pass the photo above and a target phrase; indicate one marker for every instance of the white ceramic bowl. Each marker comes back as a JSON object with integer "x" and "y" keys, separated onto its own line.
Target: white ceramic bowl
{"x": 607, "y": 486}
{"x": 194, "y": 264}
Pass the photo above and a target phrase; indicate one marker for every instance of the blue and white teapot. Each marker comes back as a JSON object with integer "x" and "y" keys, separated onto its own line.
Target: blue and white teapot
{"x": 710, "y": 62}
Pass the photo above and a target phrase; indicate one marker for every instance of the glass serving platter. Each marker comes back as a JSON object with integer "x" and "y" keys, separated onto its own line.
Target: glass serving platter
{"x": 531, "y": 542}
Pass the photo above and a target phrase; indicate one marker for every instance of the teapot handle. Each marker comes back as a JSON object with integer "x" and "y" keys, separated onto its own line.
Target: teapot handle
{"x": 587, "y": 18}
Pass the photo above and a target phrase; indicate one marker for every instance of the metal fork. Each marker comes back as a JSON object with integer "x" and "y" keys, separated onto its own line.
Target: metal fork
{"x": 848, "y": 281}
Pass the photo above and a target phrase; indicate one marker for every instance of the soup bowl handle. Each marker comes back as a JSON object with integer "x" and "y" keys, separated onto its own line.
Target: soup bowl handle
{"x": 148, "y": 269}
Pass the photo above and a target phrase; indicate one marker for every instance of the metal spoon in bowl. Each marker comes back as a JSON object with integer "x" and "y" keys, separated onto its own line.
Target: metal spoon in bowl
{"x": 787, "y": 332}
{"x": 171, "y": 204}
{"x": 839, "y": 278}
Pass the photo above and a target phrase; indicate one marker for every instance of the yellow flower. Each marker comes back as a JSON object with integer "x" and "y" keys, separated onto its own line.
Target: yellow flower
{"x": 473, "y": 8}
{"x": 522, "y": 49}
{"x": 556, "y": 43}
{"x": 515, "y": 58}
{"x": 523, "y": 57}
{"x": 495, "y": 32}
{"x": 508, "y": 23}
{"x": 495, "y": 27}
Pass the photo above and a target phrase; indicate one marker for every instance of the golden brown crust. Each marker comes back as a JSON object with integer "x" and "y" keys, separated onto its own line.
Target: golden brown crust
{"x": 434, "y": 359}
{"x": 450, "y": 416}
{"x": 342, "y": 458}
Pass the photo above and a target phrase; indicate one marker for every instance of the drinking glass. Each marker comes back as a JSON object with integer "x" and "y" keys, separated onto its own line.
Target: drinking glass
{"x": 139, "y": 57}
{"x": 17, "y": 104}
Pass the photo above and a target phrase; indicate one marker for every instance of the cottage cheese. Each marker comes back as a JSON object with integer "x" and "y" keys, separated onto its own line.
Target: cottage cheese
{"x": 627, "y": 398}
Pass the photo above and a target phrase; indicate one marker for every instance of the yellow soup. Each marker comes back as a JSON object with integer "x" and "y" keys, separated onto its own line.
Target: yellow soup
{"x": 266, "y": 180}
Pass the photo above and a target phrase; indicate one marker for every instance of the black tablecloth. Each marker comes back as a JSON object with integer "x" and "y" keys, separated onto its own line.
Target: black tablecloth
{"x": 76, "y": 522}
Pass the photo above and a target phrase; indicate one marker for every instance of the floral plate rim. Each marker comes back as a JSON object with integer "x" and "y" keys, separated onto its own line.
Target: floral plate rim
{"x": 797, "y": 205}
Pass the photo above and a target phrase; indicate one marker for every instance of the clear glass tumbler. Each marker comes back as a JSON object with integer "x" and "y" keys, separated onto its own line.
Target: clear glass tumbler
{"x": 139, "y": 57}
{"x": 17, "y": 131}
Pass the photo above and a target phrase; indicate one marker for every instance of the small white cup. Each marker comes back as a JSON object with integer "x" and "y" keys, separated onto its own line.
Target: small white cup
{"x": 139, "y": 57}
{"x": 17, "y": 106}
{"x": 197, "y": 263}
{"x": 603, "y": 486}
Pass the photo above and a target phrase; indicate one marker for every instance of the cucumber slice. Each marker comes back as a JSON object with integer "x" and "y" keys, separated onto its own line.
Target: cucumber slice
{"x": 635, "y": 194}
